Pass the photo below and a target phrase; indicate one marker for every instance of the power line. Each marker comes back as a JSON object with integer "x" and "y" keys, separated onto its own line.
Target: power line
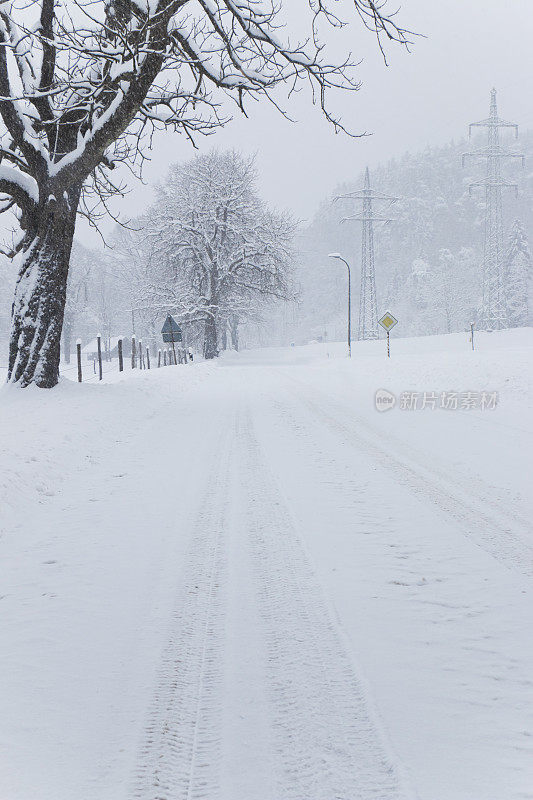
{"x": 368, "y": 314}
{"x": 494, "y": 314}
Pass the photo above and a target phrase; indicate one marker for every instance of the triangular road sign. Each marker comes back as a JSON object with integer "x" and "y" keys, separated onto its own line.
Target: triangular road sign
{"x": 171, "y": 330}
{"x": 170, "y": 325}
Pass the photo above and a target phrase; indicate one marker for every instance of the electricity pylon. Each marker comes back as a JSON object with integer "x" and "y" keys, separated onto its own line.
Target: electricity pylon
{"x": 368, "y": 313}
{"x": 494, "y": 307}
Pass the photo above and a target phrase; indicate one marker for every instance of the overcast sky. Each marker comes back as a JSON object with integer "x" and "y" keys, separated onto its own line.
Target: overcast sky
{"x": 426, "y": 97}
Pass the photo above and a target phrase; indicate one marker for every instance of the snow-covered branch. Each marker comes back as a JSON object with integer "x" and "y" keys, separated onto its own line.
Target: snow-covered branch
{"x": 20, "y": 186}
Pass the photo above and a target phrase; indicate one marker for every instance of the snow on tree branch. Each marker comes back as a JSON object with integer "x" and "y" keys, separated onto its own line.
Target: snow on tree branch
{"x": 77, "y": 76}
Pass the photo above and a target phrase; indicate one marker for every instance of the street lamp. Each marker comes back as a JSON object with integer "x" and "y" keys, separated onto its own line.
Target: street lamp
{"x": 340, "y": 258}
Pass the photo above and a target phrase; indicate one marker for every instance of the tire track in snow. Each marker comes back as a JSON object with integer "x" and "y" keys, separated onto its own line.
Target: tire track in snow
{"x": 328, "y": 739}
{"x": 179, "y": 758}
{"x": 482, "y": 519}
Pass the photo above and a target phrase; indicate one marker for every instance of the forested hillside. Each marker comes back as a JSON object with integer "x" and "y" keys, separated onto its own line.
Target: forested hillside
{"x": 429, "y": 257}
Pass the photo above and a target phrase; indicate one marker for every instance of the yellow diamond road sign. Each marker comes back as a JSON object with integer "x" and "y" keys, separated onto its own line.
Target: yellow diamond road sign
{"x": 387, "y": 321}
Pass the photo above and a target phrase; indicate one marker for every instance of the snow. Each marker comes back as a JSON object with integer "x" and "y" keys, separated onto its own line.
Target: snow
{"x": 239, "y": 580}
{"x": 26, "y": 182}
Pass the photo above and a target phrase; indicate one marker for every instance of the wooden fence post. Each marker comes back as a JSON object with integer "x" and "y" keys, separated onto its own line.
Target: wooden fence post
{"x": 165, "y": 357}
{"x": 147, "y": 357}
{"x": 120, "y": 356}
{"x": 185, "y": 359}
{"x": 133, "y": 353}
{"x": 99, "y": 345}
{"x": 141, "y": 354}
{"x": 78, "y": 353}
{"x": 159, "y": 358}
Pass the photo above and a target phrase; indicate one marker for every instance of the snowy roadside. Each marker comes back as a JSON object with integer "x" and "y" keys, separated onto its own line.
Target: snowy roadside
{"x": 48, "y": 436}
{"x": 95, "y": 484}
{"x": 466, "y": 443}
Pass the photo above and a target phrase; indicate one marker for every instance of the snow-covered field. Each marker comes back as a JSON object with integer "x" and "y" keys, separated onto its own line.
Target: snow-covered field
{"x": 239, "y": 581}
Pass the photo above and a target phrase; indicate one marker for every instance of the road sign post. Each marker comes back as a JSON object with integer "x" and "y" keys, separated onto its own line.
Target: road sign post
{"x": 99, "y": 346}
{"x": 172, "y": 333}
{"x": 387, "y": 322}
{"x": 173, "y": 348}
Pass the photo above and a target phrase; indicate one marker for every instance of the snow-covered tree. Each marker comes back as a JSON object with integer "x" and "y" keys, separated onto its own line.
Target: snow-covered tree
{"x": 218, "y": 253}
{"x": 418, "y": 295}
{"x": 456, "y": 289}
{"x": 83, "y": 83}
{"x": 449, "y": 288}
{"x": 518, "y": 277}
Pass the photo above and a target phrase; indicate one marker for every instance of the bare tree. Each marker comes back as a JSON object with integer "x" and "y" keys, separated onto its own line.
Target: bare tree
{"x": 78, "y": 294}
{"x": 130, "y": 263}
{"x": 83, "y": 81}
{"x": 216, "y": 248}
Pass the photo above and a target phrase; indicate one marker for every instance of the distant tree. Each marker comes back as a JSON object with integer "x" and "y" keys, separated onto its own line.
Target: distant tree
{"x": 470, "y": 280}
{"x": 83, "y": 84}
{"x": 419, "y": 298}
{"x": 449, "y": 295}
{"x": 78, "y": 294}
{"x": 518, "y": 277}
{"x": 107, "y": 300}
{"x": 457, "y": 288}
{"x": 218, "y": 253}
{"x": 130, "y": 264}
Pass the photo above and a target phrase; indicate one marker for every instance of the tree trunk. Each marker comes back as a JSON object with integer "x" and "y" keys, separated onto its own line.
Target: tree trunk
{"x": 40, "y": 293}
{"x": 210, "y": 338}
{"x": 67, "y": 338}
{"x": 234, "y": 331}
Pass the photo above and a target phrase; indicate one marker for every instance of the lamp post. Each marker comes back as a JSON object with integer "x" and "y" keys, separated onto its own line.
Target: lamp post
{"x": 340, "y": 258}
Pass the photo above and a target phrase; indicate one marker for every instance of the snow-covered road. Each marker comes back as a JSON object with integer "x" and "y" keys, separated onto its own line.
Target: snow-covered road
{"x": 241, "y": 582}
